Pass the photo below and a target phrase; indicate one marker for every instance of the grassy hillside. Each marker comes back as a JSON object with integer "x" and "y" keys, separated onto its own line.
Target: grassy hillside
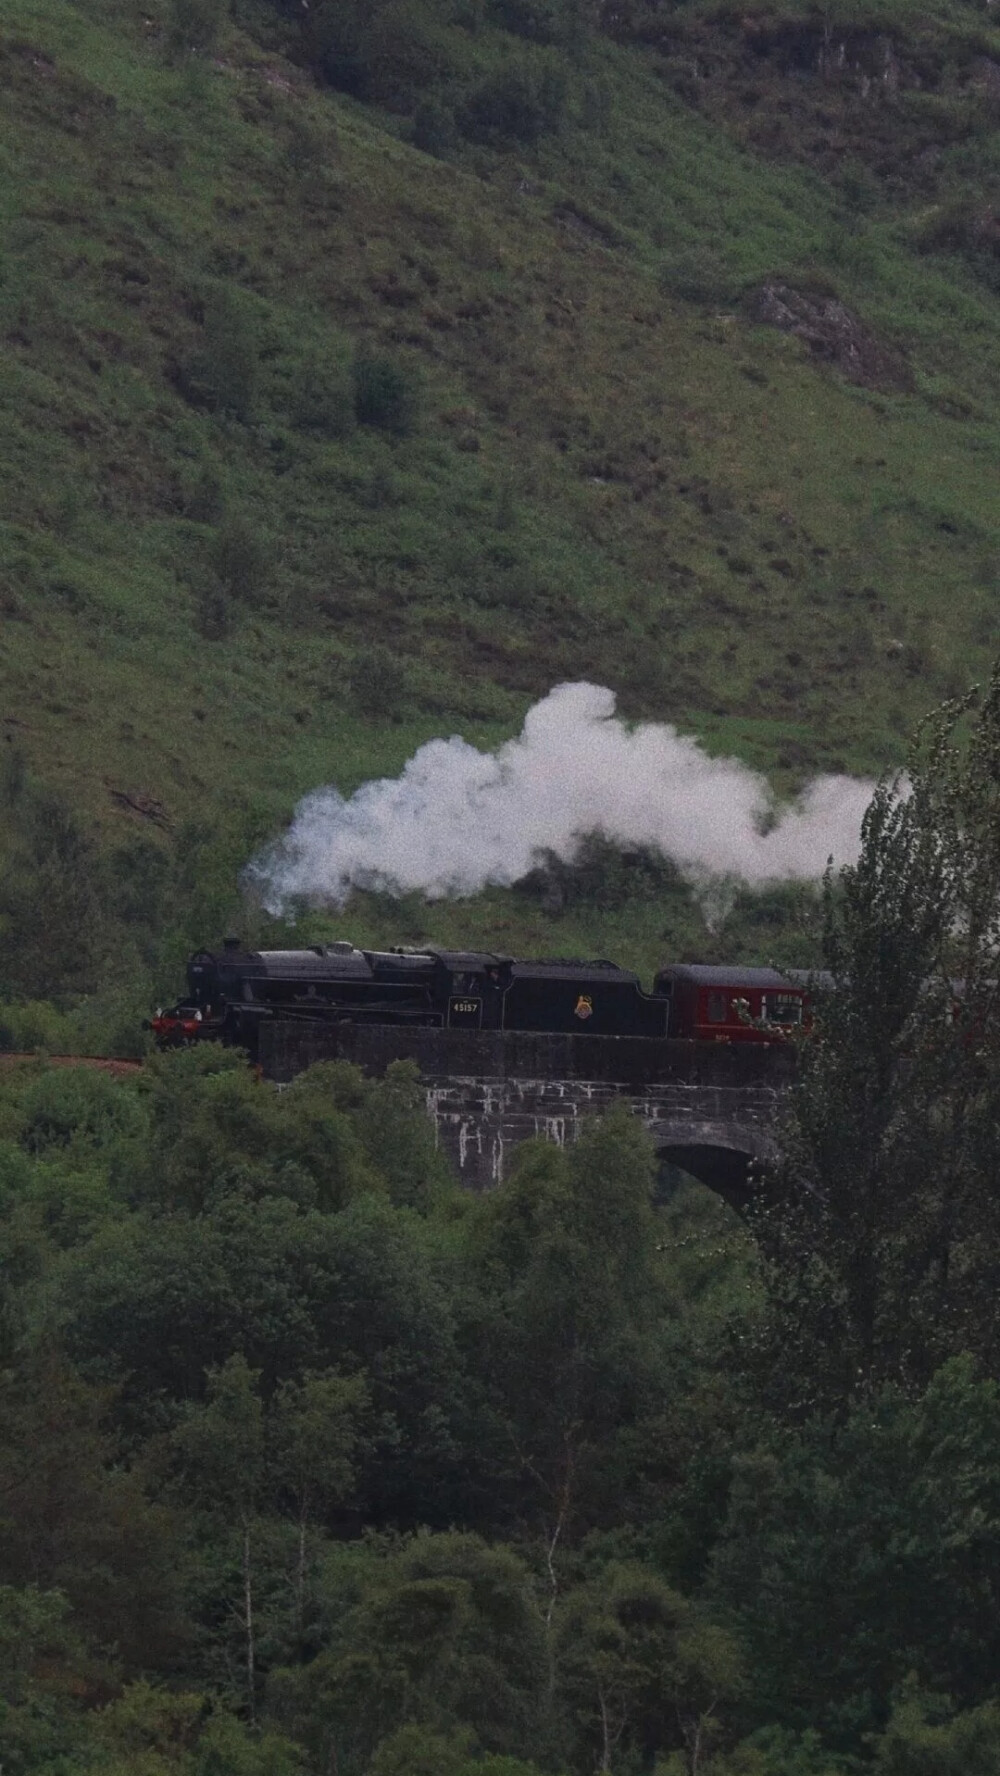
{"x": 366, "y": 375}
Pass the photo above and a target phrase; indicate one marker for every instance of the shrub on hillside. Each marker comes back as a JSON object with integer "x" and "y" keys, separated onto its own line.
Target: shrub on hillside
{"x": 239, "y": 559}
{"x": 405, "y": 52}
{"x": 213, "y": 607}
{"x": 515, "y": 105}
{"x": 377, "y": 683}
{"x": 13, "y": 773}
{"x": 195, "y": 24}
{"x": 378, "y": 491}
{"x": 323, "y": 399}
{"x": 204, "y": 498}
{"x": 228, "y": 363}
{"x": 222, "y": 372}
{"x": 308, "y": 150}
{"x": 695, "y": 274}
{"x": 966, "y": 227}
{"x": 434, "y": 129}
{"x": 596, "y": 107}
{"x": 384, "y": 395}
{"x": 601, "y": 875}
{"x": 561, "y": 22}
{"x": 392, "y": 53}
{"x": 332, "y": 41}
{"x": 857, "y": 187}
{"x": 50, "y": 913}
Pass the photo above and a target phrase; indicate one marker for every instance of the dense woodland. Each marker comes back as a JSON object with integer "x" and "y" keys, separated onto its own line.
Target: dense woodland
{"x": 311, "y": 1462}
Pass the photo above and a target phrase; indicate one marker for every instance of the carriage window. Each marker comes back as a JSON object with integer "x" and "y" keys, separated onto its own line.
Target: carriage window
{"x": 782, "y": 1008}
{"x": 718, "y": 1007}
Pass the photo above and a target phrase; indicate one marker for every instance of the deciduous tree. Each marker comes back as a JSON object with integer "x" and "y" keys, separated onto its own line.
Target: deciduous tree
{"x": 881, "y": 1234}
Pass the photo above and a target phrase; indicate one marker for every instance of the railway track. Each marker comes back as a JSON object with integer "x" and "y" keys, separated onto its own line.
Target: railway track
{"x": 119, "y": 1069}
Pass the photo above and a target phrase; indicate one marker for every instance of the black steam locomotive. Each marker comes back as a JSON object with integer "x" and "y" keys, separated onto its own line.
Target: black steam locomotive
{"x": 230, "y": 992}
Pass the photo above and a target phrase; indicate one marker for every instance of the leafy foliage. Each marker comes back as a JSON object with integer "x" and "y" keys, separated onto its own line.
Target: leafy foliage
{"x": 881, "y": 1247}
{"x": 384, "y": 395}
{"x": 888, "y": 1517}
{"x": 309, "y": 1460}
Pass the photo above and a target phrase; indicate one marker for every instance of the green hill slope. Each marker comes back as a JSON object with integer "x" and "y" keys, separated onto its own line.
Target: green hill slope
{"x": 304, "y": 426}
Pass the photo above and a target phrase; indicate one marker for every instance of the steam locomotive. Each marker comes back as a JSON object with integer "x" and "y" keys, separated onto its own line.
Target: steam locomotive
{"x": 230, "y": 992}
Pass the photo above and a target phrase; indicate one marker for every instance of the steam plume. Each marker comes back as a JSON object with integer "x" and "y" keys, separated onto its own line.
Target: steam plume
{"x": 456, "y": 819}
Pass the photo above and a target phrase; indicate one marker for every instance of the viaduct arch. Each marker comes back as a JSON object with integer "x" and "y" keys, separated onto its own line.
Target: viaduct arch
{"x": 711, "y": 1110}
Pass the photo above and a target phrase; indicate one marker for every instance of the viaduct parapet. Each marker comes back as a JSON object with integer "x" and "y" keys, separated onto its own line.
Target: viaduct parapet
{"x": 711, "y": 1109}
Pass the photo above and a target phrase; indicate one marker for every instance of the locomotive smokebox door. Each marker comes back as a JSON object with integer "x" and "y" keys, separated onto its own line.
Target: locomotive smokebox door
{"x": 465, "y": 1013}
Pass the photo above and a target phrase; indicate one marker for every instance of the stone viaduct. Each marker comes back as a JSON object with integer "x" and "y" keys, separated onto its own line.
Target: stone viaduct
{"x": 711, "y": 1109}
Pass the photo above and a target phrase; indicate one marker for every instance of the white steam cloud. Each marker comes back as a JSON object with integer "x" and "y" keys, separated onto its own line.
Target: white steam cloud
{"x": 456, "y": 819}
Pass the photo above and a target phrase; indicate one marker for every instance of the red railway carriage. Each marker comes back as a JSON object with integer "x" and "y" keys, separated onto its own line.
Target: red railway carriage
{"x": 721, "y": 1004}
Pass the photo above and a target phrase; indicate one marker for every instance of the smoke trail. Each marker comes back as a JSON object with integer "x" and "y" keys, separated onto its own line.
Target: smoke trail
{"x": 456, "y": 818}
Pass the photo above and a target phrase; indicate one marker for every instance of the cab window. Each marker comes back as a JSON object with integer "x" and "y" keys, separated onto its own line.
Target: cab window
{"x": 782, "y": 1008}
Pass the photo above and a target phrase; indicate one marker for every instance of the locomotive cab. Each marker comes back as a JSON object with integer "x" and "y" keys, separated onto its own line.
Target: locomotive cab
{"x": 471, "y": 985}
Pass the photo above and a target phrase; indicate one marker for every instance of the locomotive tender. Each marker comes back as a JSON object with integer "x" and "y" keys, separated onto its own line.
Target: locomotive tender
{"x": 232, "y": 991}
